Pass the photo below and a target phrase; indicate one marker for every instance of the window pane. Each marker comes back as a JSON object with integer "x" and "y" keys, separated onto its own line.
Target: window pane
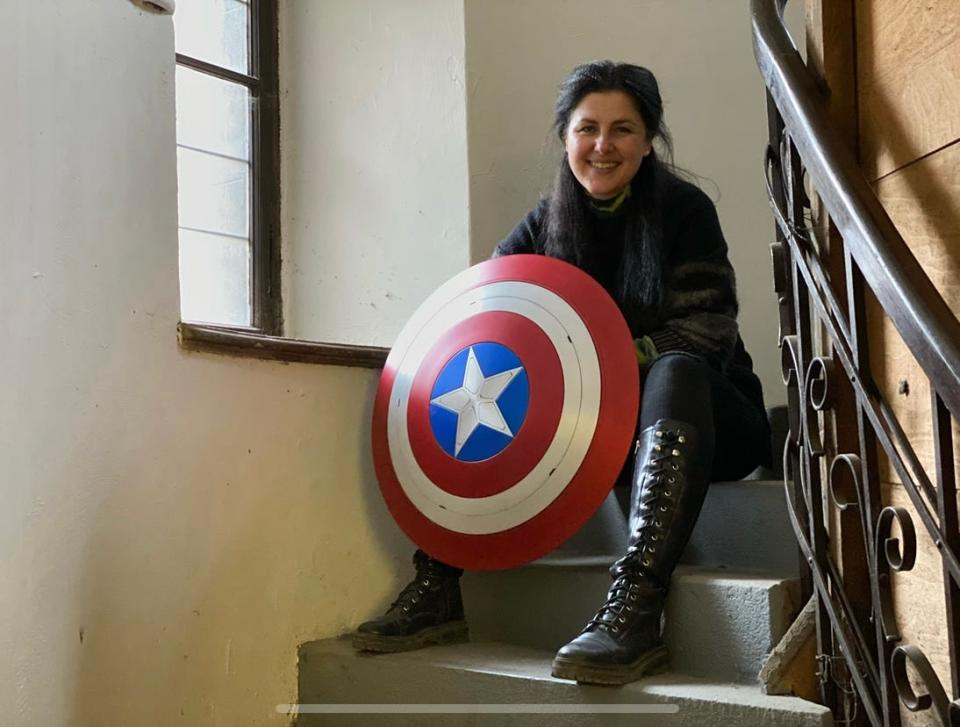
{"x": 214, "y": 192}
{"x": 214, "y": 31}
{"x": 212, "y": 114}
{"x": 214, "y": 279}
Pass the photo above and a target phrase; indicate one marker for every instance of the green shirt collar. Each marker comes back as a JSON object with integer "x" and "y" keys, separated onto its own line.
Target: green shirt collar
{"x": 609, "y": 207}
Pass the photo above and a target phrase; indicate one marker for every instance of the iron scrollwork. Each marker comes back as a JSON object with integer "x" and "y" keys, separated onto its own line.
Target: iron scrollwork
{"x": 818, "y": 397}
{"x": 851, "y": 466}
{"x": 822, "y": 305}
{"x": 936, "y": 697}
{"x": 811, "y": 381}
{"x": 896, "y": 555}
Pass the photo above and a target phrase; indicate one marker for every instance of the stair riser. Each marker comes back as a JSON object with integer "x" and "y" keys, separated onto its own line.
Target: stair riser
{"x": 724, "y": 629}
{"x": 534, "y": 606}
{"x": 743, "y": 526}
{"x": 714, "y": 627}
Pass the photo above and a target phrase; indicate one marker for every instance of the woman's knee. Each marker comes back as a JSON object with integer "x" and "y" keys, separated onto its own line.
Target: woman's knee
{"x": 677, "y": 366}
{"x": 677, "y": 386}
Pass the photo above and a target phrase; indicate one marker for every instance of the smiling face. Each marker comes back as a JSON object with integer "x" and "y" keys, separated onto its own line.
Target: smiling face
{"x": 606, "y": 141}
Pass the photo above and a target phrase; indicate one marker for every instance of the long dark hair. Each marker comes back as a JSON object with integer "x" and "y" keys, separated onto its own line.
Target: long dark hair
{"x": 569, "y": 221}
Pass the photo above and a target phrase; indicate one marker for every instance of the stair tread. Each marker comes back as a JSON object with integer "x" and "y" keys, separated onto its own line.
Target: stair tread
{"x": 748, "y": 483}
{"x": 683, "y": 570}
{"x": 510, "y": 661}
{"x": 729, "y": 576}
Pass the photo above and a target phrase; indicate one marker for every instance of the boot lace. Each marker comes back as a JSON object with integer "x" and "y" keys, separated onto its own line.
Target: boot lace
{"x": 655, "y": 505}
{"x": 630, "y": 571}
{"x": 622, "y": 600}
{"x": 428, "y": 577}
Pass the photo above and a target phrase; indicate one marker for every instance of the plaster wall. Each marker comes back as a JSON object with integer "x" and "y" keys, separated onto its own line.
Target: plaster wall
{"x": 517, "y": 53}
{"x": 173, "y": 525}
{"x": 374, "y": 159}
{"x": 416, "y": 135}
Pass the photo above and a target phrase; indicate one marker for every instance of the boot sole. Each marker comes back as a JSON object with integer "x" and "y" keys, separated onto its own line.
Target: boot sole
{"x": 454, "y": 632}
{"x": 586, "y": 672}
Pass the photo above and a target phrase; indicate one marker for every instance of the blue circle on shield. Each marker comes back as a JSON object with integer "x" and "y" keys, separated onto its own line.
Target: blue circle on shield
{"x": 479, "y": 401}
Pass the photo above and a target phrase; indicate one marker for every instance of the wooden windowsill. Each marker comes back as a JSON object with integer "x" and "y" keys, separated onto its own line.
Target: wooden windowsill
{"x": 250, "y": 344}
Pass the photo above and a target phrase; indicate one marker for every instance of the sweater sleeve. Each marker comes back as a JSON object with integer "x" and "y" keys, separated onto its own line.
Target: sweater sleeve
{"x": 700, "y": 299}
{"x": 525, "y": 237}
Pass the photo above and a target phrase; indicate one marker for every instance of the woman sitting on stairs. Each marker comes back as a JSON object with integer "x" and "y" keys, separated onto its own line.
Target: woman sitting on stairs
{"x": 653, "y": 241}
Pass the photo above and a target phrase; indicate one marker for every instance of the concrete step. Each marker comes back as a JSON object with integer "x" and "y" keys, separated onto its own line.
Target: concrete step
{"x": 469, "y": 676}
{"x": 718, "y": 624}
{"x": 743, "y": 526}
{"x": 723, "y": 625}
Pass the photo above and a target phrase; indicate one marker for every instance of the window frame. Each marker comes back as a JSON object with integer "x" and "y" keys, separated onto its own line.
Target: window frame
{"x": 263, "y": 84}
{"x": 264, "y": 339}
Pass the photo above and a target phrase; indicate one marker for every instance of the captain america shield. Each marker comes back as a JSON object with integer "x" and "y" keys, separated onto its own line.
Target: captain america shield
{"x": 505, "y": 411}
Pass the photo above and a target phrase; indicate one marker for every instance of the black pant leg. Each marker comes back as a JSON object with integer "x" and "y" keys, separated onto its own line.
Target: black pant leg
{"x": 684, "y": 387}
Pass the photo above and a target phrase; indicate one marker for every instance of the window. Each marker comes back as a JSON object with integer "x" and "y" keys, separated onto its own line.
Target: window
{"x": 228, "y": 163}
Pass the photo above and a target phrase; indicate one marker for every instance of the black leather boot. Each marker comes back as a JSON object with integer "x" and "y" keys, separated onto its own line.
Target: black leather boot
{"x": 429, "y": 610}
{"x": 622, "y": 642}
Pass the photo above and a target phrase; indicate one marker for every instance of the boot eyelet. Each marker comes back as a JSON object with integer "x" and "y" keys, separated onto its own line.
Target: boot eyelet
{"x": 646, "y": 562}
{"x": 658, "y": 523}
{"x": 663, "y": 508}
{"x": 682, "y": 439}
{"x": 674, "y": 466}
{"x": 671, "y": 480}
{"x": 666, "y": 493}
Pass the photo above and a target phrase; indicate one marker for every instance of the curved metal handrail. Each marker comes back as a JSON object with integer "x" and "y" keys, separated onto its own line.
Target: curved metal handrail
{"x": 909, "y": 298}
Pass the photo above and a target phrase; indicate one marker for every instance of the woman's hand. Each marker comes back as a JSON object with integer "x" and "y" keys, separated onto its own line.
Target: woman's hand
{"x": 646, "y": 351}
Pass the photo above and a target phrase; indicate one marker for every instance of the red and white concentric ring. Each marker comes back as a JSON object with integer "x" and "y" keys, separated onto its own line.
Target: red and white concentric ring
{"x": 581, "y": 404}
{"x": 529, "y": 444}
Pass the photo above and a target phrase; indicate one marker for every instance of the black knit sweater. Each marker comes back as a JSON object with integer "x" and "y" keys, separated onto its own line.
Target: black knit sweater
{"x": 699, "y": 312}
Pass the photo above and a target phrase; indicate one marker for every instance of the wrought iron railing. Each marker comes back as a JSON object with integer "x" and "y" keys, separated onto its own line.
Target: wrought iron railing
{"x": 840, "y": 423}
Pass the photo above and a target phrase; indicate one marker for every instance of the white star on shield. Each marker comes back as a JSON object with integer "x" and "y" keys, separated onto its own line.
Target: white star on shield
{"x": 475, "y": 402}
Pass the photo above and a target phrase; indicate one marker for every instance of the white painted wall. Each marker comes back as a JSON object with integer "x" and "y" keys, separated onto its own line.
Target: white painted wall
{"x": 700, "y": 50}
{"x": 396, "y": 177}
{"x": 374, "y": 155}
{"x": 173, "y": 525}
